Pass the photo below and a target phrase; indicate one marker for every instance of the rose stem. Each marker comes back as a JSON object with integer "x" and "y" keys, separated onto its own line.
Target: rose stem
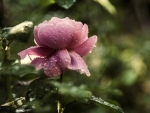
{"x": 6, "y": 76}
{"x": 60, "y": 110}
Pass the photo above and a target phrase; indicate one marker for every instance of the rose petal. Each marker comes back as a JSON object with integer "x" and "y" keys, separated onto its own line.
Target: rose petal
{"x": 77, "y": 40}
{"x": 86, "y": 47}
{"x": 48, "y": 36}
{"x": 55, "y": 20}
{"x": 84, "y": 35}
{"x": 39, "y": 62}
{"x": 36, "y": 39}
{"x": 56, "y": 37}
{"x": 79, "y": 33}
{"x": 64, "y": 59}
{"x": 78, "y": 64}
{"x": 36, "y": 29}
{"x": 33, "y": 52}
{"x": 66, "y": 34}
{"x": 51, "y": 68}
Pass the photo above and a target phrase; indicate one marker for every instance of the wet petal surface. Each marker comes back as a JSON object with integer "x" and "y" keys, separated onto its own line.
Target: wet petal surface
{"x": 66, "y": 34}
{"x": 64, "y": 59}
{"x": 51, "y": 67}
{"x": 55, "y": 20}
{"x": 36, "y": 30}
{"x": 86, "y": 47}
{"x": 38, "y": 63}
{"x": 34, "y": 52}
{"x": 78, "y": 64}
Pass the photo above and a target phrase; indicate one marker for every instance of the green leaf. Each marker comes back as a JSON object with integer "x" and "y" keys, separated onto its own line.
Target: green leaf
{"x": 45, "y": 3}
{"x": 108, "y": 6}
{"x": 71, "y": 89}
{"x": 39, "y": 88}
{"x": 103, "y": 102}
{"x": 20, "y": 70}
{"x": 19, "y": 32}
{"x": 28, "y": 76}
{"x": 65, "y": 3}
{"x": 7, "y": 62}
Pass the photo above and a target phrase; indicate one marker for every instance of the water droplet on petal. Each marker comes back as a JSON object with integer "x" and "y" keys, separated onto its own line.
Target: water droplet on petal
{"x": 82, "y": 71}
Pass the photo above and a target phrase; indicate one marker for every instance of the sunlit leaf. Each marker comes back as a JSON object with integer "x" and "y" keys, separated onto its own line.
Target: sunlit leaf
{"x": 105, "y": 103}
{"x": 65, "y": 3}
{"x": 13, "y": 105}
{"x": 45, "y": 3}
{"x": 108, "y": 6}
{"x": 19, "y": 32}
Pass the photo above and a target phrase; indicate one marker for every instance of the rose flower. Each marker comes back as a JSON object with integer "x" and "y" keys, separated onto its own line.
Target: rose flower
{"x": 60, "y": 45}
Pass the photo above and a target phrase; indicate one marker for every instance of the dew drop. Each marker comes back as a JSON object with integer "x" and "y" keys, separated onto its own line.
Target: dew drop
{"x": 31, "y": 99}
{"x": 82, "y": 71}
{"x": 105, "y": 103}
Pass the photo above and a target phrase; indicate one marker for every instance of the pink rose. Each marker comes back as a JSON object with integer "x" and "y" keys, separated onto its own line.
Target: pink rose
{"x": 61, "y": 43}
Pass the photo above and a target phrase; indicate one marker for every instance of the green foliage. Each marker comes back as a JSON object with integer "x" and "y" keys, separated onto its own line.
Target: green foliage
{"x": 105, "y": 103}
{"x": 39, "y": 88}
{"x": 19, "y": 32}
{"x": 71, "y": 90}
{"x": 108, "y": 6}
{"x": 65, "y": 3}
{"x": 13, "y": 105}
{"x": 46, "y": 2}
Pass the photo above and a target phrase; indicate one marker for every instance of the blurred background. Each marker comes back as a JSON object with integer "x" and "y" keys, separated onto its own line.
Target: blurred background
{"x": 120, "y": 62}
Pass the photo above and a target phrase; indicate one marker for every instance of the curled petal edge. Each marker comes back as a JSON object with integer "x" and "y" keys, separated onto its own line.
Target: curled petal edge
{"x": 78, "y": 64}
{"x": 86, "y": 47}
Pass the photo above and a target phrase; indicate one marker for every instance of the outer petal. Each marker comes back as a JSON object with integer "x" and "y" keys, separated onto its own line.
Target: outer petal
{"x": 30, "y": 54}
{"x": 81, "y": 35}
{"x": 86, "y": 47}
{"x": 80, "y": 30}
{"x": 51, "y": 68}
{"x": 39, "y": 62}
{"x": 77, "y": 40}
{"x": 78, "y": 64}
{"x": 57, "y": 63}
{"x": 66, "y": 32}
{"x": 55, "y": 20}
{"x": 36, "y": 29}
{"x": 64, "y": 59}
{"x": 58, "y": 36}
{"x": 84, "y": 35}
{"x": 36, "y": 39}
